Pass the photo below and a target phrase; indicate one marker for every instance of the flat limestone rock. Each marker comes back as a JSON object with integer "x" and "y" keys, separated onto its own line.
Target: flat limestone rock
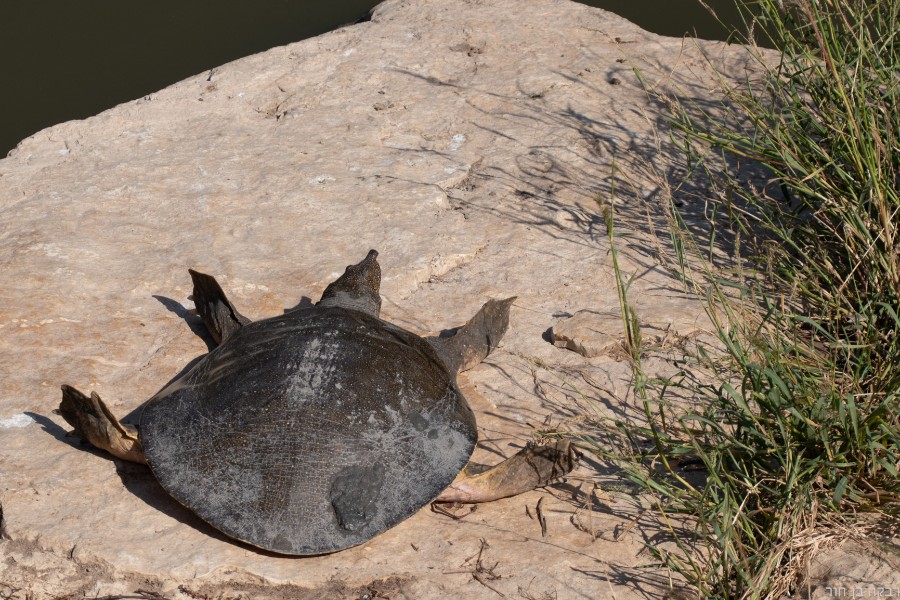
{"x": 840, "y": 572}
{"x": 467, "y": 141}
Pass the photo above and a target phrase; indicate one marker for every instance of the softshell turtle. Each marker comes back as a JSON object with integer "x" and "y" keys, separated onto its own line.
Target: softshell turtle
{"x": 318, "y": 429}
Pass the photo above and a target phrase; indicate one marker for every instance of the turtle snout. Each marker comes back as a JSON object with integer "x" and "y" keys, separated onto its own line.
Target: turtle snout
{"x": 371, "y": 270}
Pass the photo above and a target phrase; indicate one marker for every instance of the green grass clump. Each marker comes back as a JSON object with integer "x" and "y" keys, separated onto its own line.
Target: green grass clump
{"x": 796, "y": 415}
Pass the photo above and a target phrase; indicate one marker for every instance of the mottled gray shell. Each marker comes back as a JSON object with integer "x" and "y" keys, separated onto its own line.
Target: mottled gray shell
{"x": 310, "y": 432}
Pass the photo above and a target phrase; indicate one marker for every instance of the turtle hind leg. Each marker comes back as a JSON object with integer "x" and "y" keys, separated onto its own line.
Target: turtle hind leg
{"x": 93, "y": 422}
{"x": 531, "y": 468}
{"x": 218, "y": 314}
{"x": 472, "y": 342}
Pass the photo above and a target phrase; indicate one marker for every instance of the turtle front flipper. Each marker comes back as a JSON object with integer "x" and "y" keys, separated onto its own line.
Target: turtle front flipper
{"x": 472, "y": 342}
{"x": 94, "y": 422}
{"x": 530, "y": 468}
{"x": 217, "y": 312}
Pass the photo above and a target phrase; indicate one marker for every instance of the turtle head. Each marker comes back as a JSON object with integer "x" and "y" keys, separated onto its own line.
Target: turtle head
{"x": 357, "y": 288}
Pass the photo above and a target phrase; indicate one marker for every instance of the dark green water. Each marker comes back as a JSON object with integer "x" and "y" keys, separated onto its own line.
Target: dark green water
{"x": 70, "y": 59}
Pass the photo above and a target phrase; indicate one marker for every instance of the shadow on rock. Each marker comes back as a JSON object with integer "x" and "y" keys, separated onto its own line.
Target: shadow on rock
{"x": 191, "y": 318}
{"x": 305, "y": 302}
{"x": 49, "y": 426}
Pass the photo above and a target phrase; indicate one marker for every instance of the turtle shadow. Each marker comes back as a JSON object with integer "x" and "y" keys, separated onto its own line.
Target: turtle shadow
{"x": 50, "y": 426}
{"x": 190, "y": 317}
{"x": 305, "y": 302}
{"x": 61, "y": 434}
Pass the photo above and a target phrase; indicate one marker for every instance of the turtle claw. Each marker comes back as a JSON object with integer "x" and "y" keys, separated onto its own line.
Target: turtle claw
{"x": 532, "y": 467}
{"x": 93, "y": 422}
